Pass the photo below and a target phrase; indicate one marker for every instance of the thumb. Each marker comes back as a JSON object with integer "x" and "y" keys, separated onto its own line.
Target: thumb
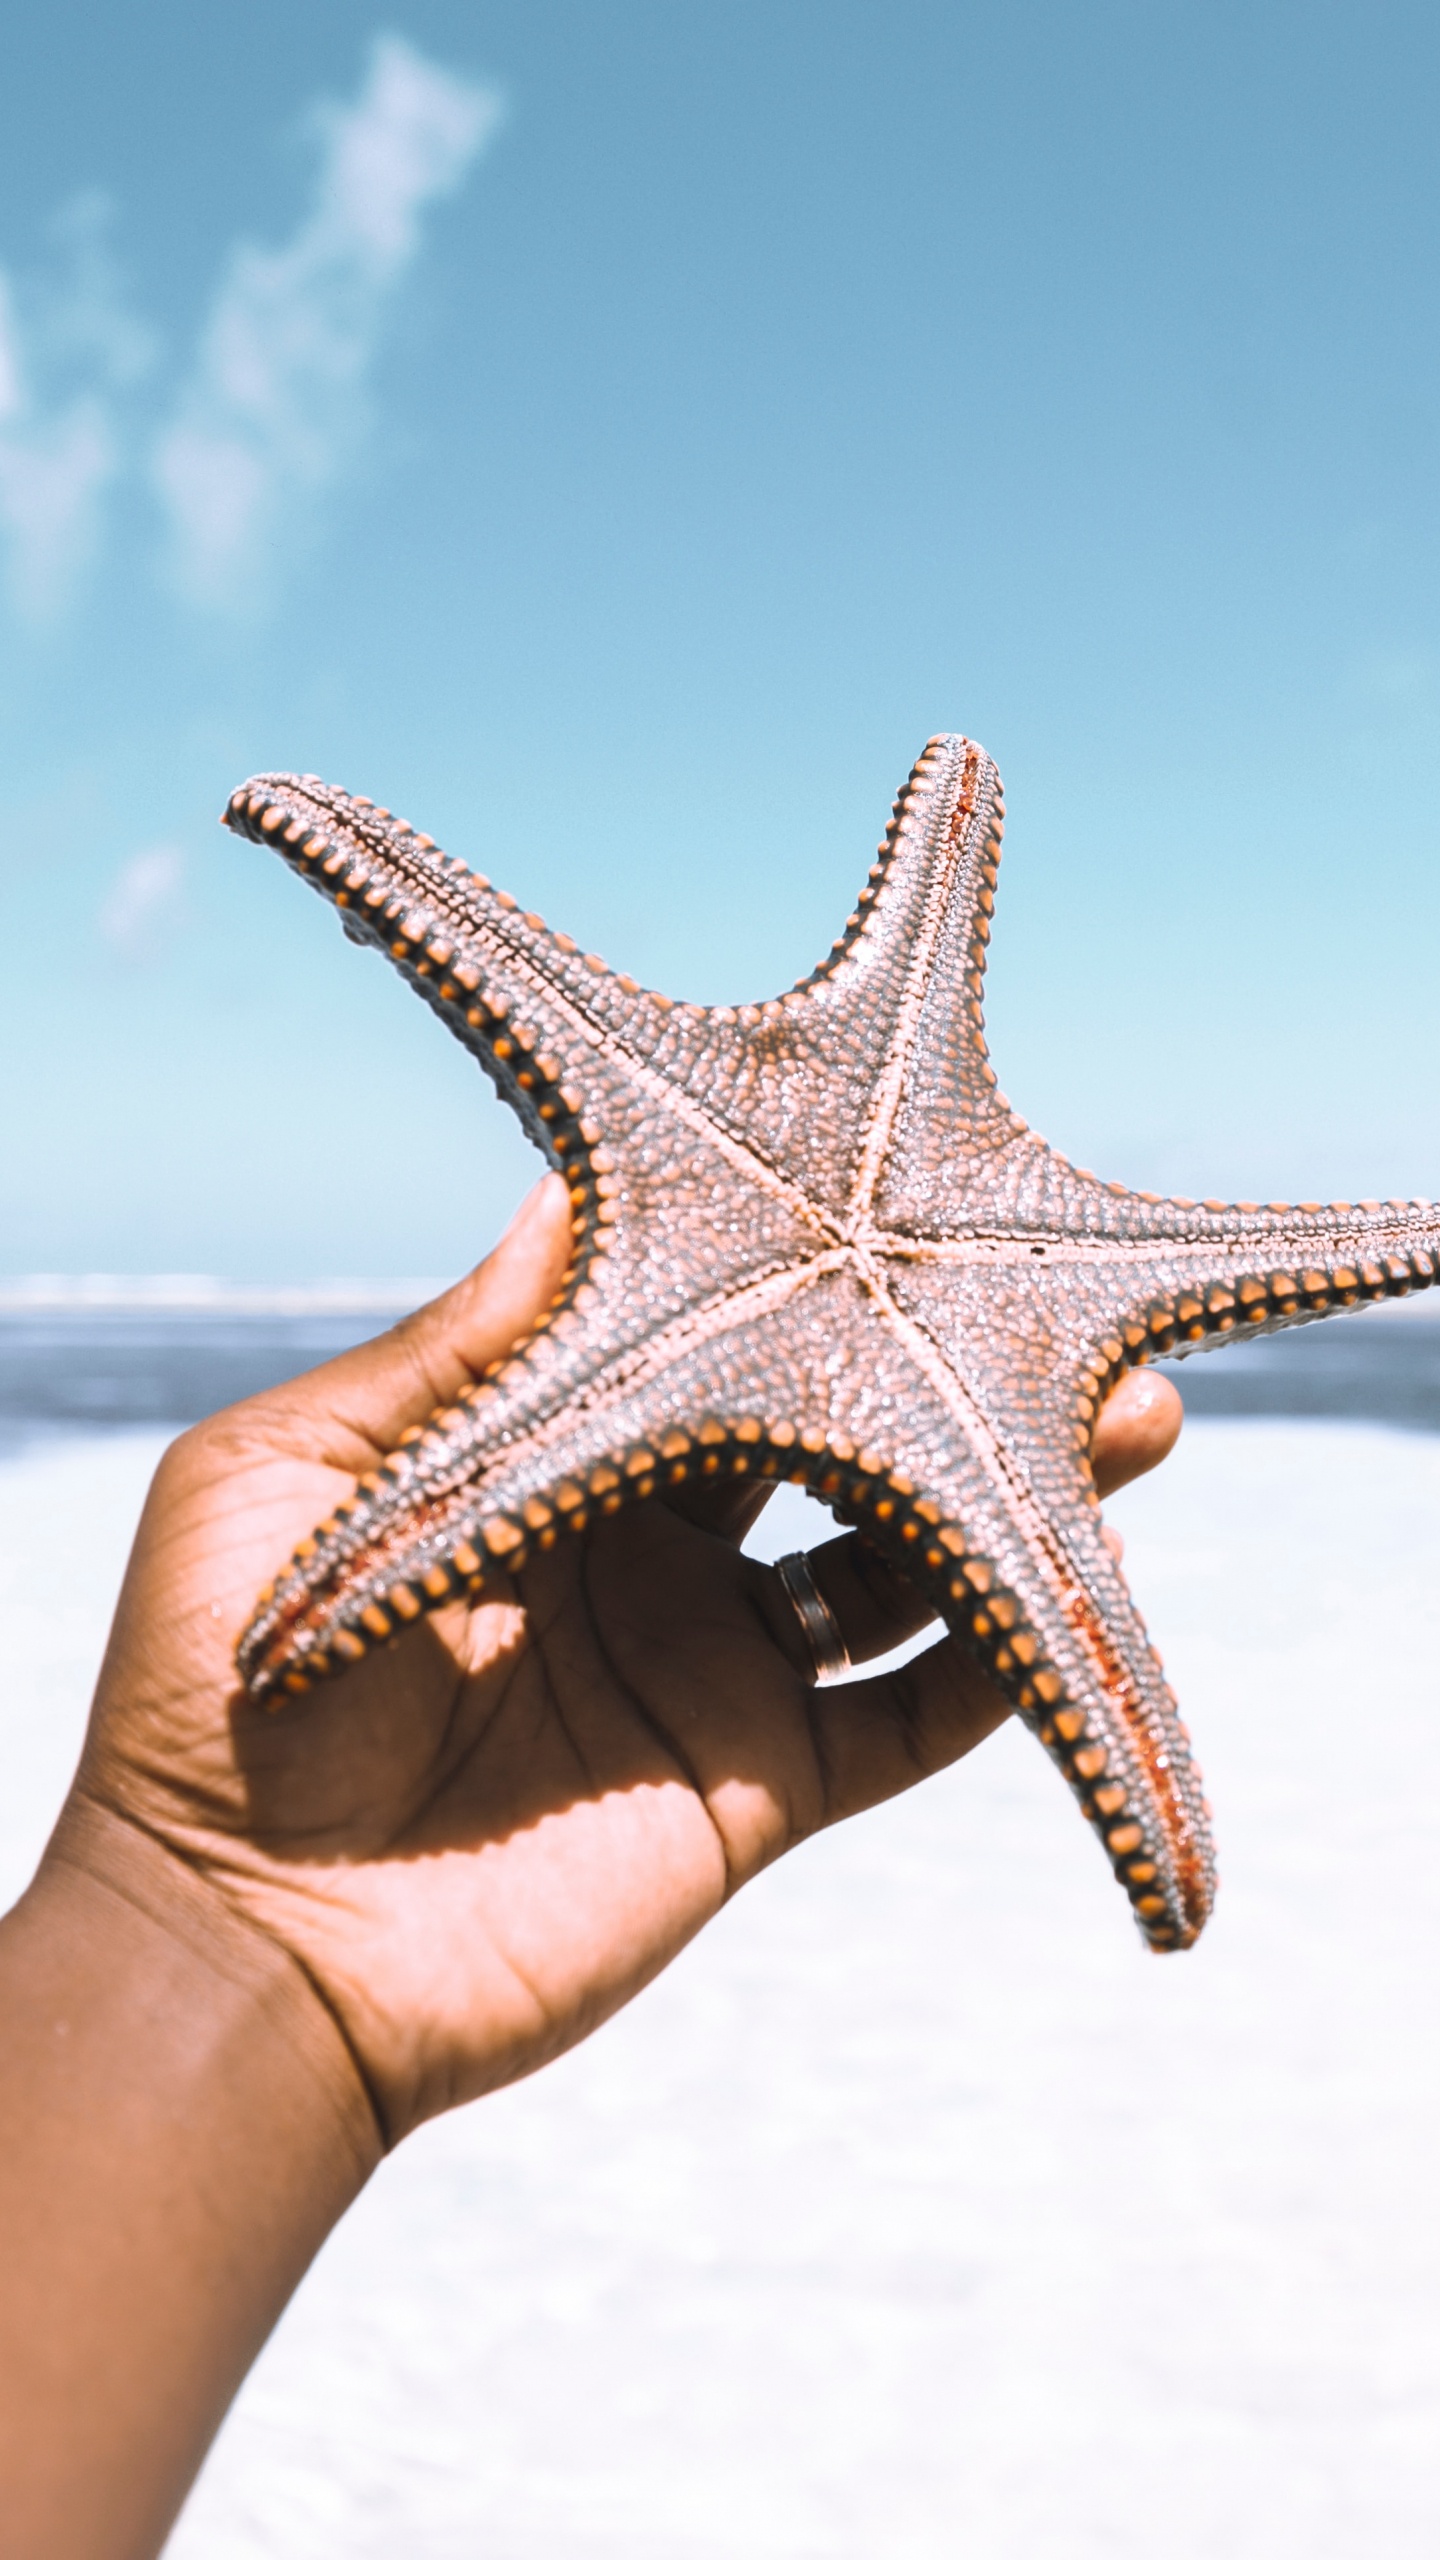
{"x": 1138, "y": 1425}
{"x": 353, "y": 1410}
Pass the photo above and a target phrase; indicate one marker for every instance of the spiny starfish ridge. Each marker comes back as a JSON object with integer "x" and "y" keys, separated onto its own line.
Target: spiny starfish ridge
{"x": 812, "y": 1241}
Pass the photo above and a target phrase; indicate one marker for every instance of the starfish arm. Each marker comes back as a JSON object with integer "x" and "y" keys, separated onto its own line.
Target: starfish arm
{"x": 952, "y": 1160}
{"x": 515, "y": 1462}
{"x": 1273, "y": 1269}
{"x": 1182, "y": 1283}
{"x": 820, "y": 1377}
{"x": 1023, "y": 1189}
{"x": 1034, "y": 1585}
{"x": 812, "y": 1079}
{"x": 549, "y": 1442}
{"x": 584, "y": 1058}
{"x": 591, "y": 1063}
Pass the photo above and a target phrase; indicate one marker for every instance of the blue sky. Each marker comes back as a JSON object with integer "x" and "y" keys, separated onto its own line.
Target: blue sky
{"x": 616, "y": 438}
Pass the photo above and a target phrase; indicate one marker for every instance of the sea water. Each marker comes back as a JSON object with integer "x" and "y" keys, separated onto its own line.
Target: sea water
{"x": 916, "y": 2211}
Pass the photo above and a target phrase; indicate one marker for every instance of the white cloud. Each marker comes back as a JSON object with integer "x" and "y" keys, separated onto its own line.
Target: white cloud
{"x": 272, "y": 406}
{"x": 142, "y": 900}
{"x": 275, "y": 394}
{"x": 53, "y": 471}
{"x": 69, "y": 350}
{"x": 12, "y": 385}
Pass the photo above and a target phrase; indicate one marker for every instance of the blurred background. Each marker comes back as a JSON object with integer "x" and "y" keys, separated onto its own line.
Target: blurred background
{"x": 615, "y": 438}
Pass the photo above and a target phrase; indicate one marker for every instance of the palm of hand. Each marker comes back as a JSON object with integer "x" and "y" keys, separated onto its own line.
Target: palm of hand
{"x": 481, "y": 1842}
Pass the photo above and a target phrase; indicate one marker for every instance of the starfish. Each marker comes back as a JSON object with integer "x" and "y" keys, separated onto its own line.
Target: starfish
{"x": 813, "y": 1241}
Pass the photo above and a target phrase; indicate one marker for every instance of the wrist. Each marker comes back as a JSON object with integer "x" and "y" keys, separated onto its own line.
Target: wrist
{"x": 183, "y": 2125}
{"x": 104, "y": 1872}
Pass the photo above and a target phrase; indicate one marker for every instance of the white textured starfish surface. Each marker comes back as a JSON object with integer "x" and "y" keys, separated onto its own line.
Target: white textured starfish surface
{"x": 812, "y": 1241}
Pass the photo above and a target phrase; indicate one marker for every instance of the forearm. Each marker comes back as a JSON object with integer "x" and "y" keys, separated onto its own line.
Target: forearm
{"x": 181, "y": 2124}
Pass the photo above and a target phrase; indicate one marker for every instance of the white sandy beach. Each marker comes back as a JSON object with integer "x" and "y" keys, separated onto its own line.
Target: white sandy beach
{"x": 917, "y": 2212}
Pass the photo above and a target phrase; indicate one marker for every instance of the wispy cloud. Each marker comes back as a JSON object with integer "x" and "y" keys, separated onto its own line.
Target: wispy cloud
{"x": 260, "y": 421}
{"x": 143, "y": 901}
{"x": 272, "y": 407}
{"x": 70, "y": 349}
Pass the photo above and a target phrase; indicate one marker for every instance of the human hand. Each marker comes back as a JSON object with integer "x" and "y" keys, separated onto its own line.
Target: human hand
{"x": 484, "y": 1839}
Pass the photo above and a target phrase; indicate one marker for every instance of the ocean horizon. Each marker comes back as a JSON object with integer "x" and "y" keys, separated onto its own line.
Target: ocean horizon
{"x": 101, "y": 1350}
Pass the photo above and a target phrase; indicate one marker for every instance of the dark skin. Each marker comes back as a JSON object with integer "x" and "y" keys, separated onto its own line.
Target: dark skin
{"x": 261, "y": 1949}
